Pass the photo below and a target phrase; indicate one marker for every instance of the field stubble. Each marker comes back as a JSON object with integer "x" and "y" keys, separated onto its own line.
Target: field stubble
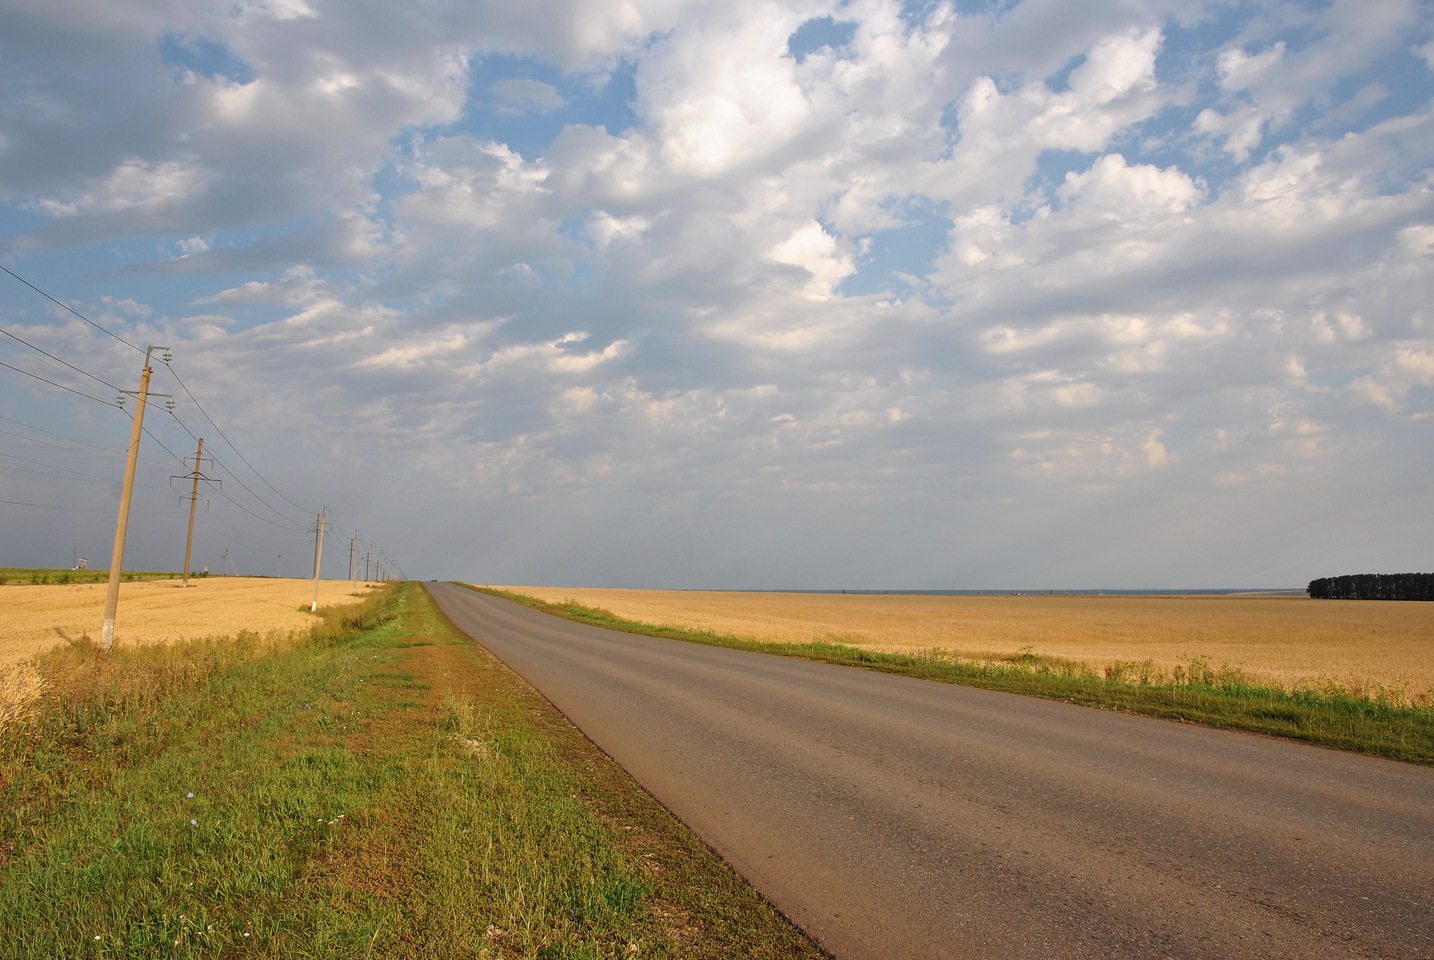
{"x": 1378, "y": 649}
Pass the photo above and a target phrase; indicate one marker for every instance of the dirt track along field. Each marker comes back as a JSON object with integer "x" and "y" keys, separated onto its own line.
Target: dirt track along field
{"x": 33, "y": 618}
{"x": 1380, "y": 648}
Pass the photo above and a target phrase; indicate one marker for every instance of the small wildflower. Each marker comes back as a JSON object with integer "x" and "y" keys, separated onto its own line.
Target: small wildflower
{"x": 194, "y": 823}
{"x": 189, "y": 795}
{"x": 97, "y": 936}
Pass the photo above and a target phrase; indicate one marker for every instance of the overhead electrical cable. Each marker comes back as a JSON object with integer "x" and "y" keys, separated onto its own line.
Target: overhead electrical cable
{"x": 52, "y": 383}
{"x": 289, "y": 524}
{"x": 58, "y": 360}
{"x": 226, "y": 439}
{"x": 98, "y": 451}
{"x": 71, "y": 309}
{"x": 31, "y": 426}
{"x": 220, "y": 464}
{"x": 51, "y": 506}
{"x": 59, "y": 385}
{"x": 257, "y": 517}
{"x": 54, "y": 466}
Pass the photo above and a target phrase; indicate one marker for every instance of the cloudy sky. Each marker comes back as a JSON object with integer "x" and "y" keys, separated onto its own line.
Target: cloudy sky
{"x": 726, "y": 293}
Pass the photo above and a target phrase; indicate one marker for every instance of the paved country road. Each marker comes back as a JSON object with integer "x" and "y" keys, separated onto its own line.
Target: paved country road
{"x": 901, "y": 819}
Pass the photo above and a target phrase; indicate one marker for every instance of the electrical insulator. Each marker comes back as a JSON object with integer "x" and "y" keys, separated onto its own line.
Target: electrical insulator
{"x": 120, "y": 399}
{"x": 168, "y": 356}
{"x": 169, "y": 404}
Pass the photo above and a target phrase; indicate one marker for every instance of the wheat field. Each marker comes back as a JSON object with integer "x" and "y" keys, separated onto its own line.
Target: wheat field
{"x": 1382, "y": 649}
{"x": 36, "y": 617}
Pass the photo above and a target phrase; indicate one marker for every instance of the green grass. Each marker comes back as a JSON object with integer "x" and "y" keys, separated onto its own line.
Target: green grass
{"x": 381, "y": 788}
{"x": 37, "y": 575}
{"x": 1199, "y": 694}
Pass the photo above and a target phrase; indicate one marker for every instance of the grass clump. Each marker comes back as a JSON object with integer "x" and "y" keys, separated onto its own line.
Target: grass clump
{"x": 377, "y": 788}
{"x": 1194, "y": 691}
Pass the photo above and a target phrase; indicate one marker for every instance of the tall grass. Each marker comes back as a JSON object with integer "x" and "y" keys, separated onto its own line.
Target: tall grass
{"x": 1193, "y": 691}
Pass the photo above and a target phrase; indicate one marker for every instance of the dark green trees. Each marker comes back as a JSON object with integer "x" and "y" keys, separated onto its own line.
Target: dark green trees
{"x": 1374, "y": 586}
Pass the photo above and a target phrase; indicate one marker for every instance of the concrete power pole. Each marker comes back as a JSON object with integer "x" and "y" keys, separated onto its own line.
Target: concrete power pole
{"x": 318, "y": 558}
{"x": 107, "y": 635}
{"x": 193, "y": 502}
{"x": 368, "y": 564}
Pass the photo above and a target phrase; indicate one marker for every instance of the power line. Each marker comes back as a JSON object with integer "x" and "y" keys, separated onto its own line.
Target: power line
{"x": 60, "y": 446}
{"x": 103, "y": 451}
{"x": 51, "y": 506}
{"x": 31, "y": 426}
{"x": 226, "y": 439}
{"x": 178, "y": 379}
{"x": 69, "y": 308}
{"x": 57, "y": 359}
{"x": 54, "y": 466}
{"x": 54, "y": 384}
{"x": 218, "y": 463}
{"x": 291, "y": 524}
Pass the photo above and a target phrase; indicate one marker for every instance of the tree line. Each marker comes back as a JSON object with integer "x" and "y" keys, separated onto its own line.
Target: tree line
{"x": 1374, "y": 586}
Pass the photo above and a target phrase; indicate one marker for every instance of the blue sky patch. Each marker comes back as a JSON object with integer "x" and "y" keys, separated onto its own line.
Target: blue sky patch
{"x": 204, "y": 57}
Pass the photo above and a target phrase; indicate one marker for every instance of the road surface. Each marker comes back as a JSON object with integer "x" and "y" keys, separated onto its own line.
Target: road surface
{"x": 901, "y": 819}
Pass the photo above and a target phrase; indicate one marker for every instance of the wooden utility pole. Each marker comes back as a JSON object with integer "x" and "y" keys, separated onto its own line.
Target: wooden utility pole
{"x": 107, "y": 635}
{"x": 318, "y": 559}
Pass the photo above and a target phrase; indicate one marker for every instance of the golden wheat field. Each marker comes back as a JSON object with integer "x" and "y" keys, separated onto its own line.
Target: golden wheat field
{"x": 36, "y": 617}
{"x": 33, "y": 618}
{"x": 1379, "y": 648}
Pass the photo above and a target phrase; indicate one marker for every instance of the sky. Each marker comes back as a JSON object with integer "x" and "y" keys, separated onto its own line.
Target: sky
{"x": 724, "y": 294}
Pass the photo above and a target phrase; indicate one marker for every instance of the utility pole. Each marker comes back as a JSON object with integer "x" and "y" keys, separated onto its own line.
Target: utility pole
{"x": 318, "y": 557}
{"x": 228, "y": 562}
{"x": 107, "y": 636}
{"x": 368, "y": 564}
{"x": 353, "y": 561}
{"x": 196, "y": 476}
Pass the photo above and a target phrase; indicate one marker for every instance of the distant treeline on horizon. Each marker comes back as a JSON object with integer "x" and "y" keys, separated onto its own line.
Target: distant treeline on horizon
{"x": 1171, "y": 592}
{"x": 1374, "y": 586}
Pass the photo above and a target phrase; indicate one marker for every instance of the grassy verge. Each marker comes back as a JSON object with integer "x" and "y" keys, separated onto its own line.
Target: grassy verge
{"x": 382, "y": 788}
{"x": 1197, "y": 693}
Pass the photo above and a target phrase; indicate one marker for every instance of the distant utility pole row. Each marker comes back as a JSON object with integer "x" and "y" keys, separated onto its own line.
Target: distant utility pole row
{"x": 385, "y": 568}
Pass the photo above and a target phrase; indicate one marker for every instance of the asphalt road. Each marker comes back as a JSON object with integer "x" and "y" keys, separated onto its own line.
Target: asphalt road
{"x": 901, "y": 819}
